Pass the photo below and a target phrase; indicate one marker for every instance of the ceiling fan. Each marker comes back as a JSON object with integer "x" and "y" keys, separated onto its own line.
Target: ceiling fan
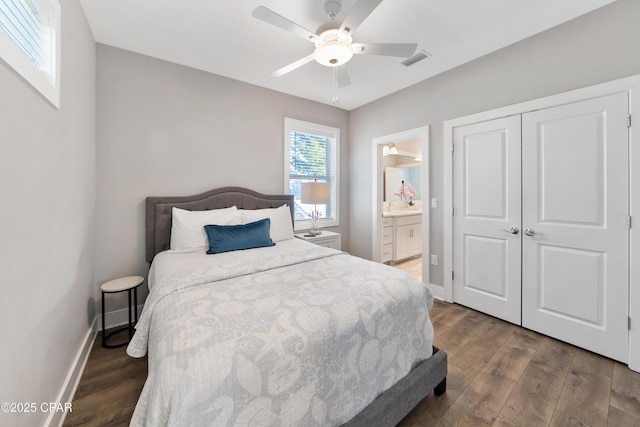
{"x": 333, "y": 40}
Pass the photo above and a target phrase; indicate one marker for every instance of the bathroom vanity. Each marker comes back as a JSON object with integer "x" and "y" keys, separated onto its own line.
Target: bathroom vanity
{"x": 401, "y": 234}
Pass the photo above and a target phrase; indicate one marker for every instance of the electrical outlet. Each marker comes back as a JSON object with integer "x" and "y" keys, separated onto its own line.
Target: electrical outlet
{"x": 434, "y": 259}
{"x": 434, "y": 203}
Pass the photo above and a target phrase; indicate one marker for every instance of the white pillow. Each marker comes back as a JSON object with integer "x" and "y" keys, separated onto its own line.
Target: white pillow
{"x": 281, "y": 226}
{"x": 187, "y": 227}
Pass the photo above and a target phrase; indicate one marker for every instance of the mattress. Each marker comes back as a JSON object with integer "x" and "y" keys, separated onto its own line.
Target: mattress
{"x": 295, "y": 334}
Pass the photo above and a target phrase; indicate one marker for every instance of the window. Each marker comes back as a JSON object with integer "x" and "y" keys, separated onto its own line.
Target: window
{"x": 311, "y": 153}
{"x": 30, "y": 43}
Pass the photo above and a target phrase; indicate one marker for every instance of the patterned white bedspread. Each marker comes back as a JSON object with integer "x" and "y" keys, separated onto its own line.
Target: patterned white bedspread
{"x": 301, "y": 335}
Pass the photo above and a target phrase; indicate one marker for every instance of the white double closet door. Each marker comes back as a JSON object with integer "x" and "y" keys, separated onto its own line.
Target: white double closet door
{"x": 541, "y": 225}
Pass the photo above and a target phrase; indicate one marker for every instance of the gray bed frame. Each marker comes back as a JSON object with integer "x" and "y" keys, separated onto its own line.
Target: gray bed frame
{"x": 390, "y": 407}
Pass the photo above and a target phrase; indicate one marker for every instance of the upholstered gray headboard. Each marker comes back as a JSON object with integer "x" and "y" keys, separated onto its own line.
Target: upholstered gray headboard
{"x": 158, "y": 210}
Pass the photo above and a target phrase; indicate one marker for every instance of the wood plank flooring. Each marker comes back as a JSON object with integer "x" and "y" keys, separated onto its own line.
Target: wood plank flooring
{"x": 504, "y": 375}
{"x": 499, "y": 375}
{"x": 109, "y": 387}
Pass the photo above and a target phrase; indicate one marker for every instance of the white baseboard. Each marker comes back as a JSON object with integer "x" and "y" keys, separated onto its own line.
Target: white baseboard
{"x": 116, "y": 318}
{"x": 56, "y": 418}
{"x": 438, "y": 291}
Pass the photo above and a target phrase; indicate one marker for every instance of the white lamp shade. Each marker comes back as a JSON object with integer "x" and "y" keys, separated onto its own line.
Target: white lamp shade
{"x": 316, "y": 193}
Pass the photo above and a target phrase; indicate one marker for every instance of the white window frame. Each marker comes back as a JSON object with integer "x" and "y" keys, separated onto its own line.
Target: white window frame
{"x": 293, "y": 125}
{"x": 45, "y": 80}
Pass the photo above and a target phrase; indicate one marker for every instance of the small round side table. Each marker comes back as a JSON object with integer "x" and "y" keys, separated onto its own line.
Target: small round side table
{"x": 129, "y": 284}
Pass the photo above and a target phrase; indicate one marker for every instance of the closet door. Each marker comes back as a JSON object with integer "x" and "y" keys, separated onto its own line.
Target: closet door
{"x": 487, "y": 215}
{"x": 575, "y": 269}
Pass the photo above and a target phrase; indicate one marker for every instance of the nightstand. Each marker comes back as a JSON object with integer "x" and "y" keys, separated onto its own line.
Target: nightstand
{"x": 129, "y": 284}
{"x": 328, "y": 239}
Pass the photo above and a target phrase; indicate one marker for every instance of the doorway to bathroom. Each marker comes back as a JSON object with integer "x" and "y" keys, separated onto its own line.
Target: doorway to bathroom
{"x": 400, "y": 225}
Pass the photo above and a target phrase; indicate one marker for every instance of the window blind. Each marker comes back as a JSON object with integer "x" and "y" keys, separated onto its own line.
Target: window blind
{"x": 312, "y": 156}
{"x": 24, "y": 24}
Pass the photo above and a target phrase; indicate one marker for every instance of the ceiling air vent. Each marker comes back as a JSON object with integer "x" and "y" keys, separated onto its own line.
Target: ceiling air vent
{"x": 416, "y": 58}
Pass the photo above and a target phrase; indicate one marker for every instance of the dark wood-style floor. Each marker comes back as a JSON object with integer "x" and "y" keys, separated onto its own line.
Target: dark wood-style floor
{"x": 503, "y": 375}
{"x": 109, "y": 387}
{"x": 499, "y": 375}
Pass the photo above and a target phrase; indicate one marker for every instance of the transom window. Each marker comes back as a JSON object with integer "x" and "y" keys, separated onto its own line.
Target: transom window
{"x": 311, "y": 154}
{"x": 30, "y": 43}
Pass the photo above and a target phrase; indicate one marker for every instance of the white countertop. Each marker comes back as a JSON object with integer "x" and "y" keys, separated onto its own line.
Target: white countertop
{"x": 401, "y": 212}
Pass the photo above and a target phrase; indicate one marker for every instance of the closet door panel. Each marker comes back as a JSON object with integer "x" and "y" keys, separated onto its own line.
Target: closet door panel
{"x": 487, "y": 205}
{"x": 575, "y": 207}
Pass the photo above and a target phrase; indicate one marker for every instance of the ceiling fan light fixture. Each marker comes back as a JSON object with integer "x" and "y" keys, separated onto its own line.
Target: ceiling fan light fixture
{"x": 335, "y": 49}
{"x": 333, "y": 53}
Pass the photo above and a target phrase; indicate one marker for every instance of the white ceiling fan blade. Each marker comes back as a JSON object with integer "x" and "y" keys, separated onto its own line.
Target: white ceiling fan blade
{"x": 358, "y": 13}
{"x": 270, "y": 17}
{"x": 288, "y": 68}
{"x": 342, "y": 75}
{"x": 403, "y": 50}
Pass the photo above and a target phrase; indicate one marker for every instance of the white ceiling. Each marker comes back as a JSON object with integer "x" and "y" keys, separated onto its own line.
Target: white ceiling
{"x": 223, "y": 38}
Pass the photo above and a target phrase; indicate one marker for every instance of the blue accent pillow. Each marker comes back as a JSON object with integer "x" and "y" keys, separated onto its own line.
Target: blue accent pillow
{"x": 227, "y": 238}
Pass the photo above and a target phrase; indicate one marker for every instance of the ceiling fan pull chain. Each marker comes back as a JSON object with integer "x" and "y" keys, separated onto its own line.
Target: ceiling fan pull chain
{"x": 335, "y": 99}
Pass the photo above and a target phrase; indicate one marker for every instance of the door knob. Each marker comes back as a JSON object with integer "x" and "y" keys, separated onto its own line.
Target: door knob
{"x": 529, "y": 232}
{"x": 512, "y": 230}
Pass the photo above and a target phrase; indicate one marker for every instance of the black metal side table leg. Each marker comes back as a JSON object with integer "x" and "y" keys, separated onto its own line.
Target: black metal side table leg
{"x": 104, "y": 336}
{"x": 129, "y": 327}
{"x": 135, "y": 304}
{"x": 130, "y": 319}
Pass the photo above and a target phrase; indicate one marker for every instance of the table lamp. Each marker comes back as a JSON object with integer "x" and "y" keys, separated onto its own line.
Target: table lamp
{"x": 315, "y": 193}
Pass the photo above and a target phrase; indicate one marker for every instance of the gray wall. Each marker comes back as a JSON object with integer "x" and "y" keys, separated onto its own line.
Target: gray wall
{"x": 591, "y": 49}
{"x": 47, "y": 193}
{"x": 165, "y": 129}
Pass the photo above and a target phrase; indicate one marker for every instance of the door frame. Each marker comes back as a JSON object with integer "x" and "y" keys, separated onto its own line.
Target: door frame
{"x": 376, "y": 209}
{"x": 630, "y": 85}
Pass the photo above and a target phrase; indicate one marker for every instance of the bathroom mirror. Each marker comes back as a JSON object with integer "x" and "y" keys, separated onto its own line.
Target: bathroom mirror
{"x": 394, "y": 175}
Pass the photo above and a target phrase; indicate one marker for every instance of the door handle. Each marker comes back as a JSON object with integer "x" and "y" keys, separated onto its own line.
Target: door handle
{"x": 512, "y": 230}
{"x": 529, "y": 232}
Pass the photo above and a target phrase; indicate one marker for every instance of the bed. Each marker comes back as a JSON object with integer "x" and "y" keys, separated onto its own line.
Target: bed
{"x": 288, "y": 334}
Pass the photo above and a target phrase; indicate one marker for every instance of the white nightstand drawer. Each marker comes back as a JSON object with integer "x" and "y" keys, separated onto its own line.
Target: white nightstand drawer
{"x": 328, "y": 243}
{"x": 328, "y": 239}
